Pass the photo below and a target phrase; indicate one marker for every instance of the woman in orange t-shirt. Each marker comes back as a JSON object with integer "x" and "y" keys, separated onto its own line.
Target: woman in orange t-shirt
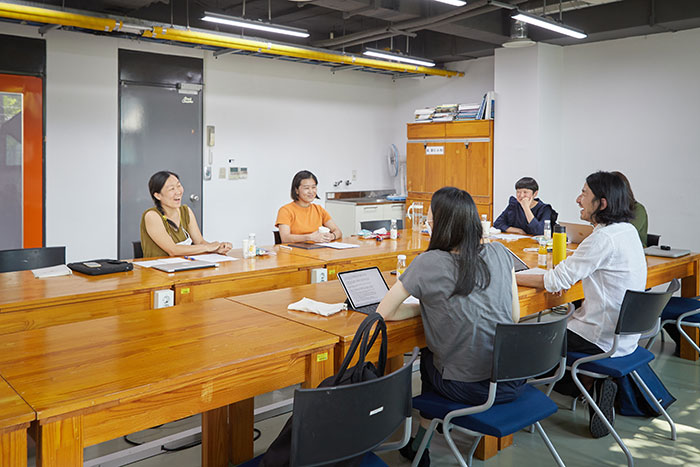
{"x": 300, "y": 220}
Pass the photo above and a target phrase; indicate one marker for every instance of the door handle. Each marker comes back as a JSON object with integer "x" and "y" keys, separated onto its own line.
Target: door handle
{"x": 194, "y": 197}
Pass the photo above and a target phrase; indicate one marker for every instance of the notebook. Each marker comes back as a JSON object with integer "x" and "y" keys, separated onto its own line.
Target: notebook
{"x": 185, "y": 265}
{"x": 306, "y": 246}
{"x": 364, "y": 288}
{"x": 668, "y": 253}
{"x": 576, "y": 233}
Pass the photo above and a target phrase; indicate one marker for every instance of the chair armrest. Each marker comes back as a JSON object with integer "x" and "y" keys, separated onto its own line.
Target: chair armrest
{"x": 395, "y": 445}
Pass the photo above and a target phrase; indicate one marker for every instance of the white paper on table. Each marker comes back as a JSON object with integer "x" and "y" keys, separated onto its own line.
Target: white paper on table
{"x": 158, "y": 262}
{"x": 531, "y": 272}
{"x": 509, "y": 237}
{"x": 52, "y": 271}
{"x": 213, "y": 258}
{"x": 339, "y": 245}
{"x": 320, "y": 308}
{"x": 411, "y": 299}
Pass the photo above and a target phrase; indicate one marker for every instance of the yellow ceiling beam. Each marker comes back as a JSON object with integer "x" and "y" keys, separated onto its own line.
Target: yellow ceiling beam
{"x": 48, "y": 16}
{"x": 218, "y": 40}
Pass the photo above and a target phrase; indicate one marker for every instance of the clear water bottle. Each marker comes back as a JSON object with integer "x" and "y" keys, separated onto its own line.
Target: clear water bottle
{"x": 251, "y": 246}
{"x": 393, "y": 232}
{"x": 400, "y": 265}
{"x": 542, "y": 255}
{"x": 485, "y": 226}
{"x": 547, "y": 230}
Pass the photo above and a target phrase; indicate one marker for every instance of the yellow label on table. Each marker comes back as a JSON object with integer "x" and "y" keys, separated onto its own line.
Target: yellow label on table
{"x": 322, "y": 357}
{"x": 185, "y": 290}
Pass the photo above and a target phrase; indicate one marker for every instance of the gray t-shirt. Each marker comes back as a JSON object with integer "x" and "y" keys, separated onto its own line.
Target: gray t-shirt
{"x": 459, "y": 329}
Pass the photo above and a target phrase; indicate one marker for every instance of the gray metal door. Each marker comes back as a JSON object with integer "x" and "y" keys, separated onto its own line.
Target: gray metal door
{"x": 160, "y": 129}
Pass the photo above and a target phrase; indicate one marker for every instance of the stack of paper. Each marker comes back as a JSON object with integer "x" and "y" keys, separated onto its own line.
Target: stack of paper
{"x": 467, "y": 111}
{"x": 423, "y": 115}
{"x": 52, "y": 271}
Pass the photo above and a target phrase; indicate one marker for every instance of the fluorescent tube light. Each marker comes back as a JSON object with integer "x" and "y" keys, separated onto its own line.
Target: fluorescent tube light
{"x": 258, "y": 25}
{"x": 398, "y": 58}
{"x": 453, "y": 2}
{"x": 547, "y": 24}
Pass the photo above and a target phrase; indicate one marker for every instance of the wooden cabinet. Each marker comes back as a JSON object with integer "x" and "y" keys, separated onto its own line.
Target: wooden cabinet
{"x": 456, "y": 154}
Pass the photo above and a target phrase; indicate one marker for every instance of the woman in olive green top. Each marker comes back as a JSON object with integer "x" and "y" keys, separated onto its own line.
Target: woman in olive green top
{"x": 639, "y": 221}
{"x": 170, "y": 228}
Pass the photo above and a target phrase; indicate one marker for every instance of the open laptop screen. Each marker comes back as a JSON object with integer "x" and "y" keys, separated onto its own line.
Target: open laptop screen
{"x": 518, "y": 263}
{"x": 363, "y": 286}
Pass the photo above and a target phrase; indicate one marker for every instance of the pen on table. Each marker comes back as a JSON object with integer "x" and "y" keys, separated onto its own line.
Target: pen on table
{"x": 190, "y": 258}
{"x": 285, "y": 247}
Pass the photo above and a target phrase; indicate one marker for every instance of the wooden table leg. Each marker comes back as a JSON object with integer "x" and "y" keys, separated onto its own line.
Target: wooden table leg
{"x": 240, "y": 423}
{"x": 60, "y": 443}
{"x": 487, "y": 448}
{"x": 393, "y": 364}
{"x": 690, "y": 287}
{"x": 13, "y": 446}
{"x": 215, "y": 438}
{"x": 319, "y": 368}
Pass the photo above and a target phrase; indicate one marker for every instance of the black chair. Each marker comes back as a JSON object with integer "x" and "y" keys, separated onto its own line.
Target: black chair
{"x": 374, "y": 225}
{"x": 653, "y": 239}
{"x": 278, "y": 238}
{"x": 25, "y": 259}
{"x": 138, "y": 251}
{"x": 639, "y": 314}
{"x": 515, "y": 347}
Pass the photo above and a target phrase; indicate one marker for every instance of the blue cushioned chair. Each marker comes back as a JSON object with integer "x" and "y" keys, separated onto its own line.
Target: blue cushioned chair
{"x": 520, "y": 351}
{"x": 683, "y": 312}
{"x": 331, "y": 424}
{"x": 639, "y": 314}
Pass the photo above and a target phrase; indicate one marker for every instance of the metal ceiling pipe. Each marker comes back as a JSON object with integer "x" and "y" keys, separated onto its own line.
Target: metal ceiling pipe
{"x": 413, "y": 23}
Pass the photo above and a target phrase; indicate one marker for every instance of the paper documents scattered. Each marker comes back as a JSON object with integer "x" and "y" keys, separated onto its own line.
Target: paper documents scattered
{"x": 212, "y": 258}
{"x": 52, "y": 271}
{"x": 339, "y": 245}
{"x": 509, "y": 237}
{"x": 158, "y": 262}
{"x": 320, "y": 308}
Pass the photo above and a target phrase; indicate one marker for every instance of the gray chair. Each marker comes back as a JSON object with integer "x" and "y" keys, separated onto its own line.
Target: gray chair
{"x": 138, "y": 251}
{"x": 24, "y": 259}
{"x": 278, "y": 238}
{"x": 653, "y": 239}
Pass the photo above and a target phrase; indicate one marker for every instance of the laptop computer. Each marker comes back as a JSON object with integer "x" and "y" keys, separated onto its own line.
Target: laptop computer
{"x": 518, "y": 263}
{"x": 666, "y": 252}
{"x": 576, "y": 233}
{"x": 364, "y": 288}
{"x": 185, "y": 265}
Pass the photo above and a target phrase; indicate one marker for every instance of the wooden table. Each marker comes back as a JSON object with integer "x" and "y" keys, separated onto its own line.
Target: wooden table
{"x": 30, "y": 303}
{"x": 15, "y": 417}
{"x": 245, "y": 275}
{"x": 369, "y": 252}
{"x": 95, "y": 380}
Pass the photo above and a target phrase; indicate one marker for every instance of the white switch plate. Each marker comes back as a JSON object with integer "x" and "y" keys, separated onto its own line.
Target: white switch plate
{"x": 354, "y": 175}
{"x": 319, "y": 275}
{"x": 163, "y": 298}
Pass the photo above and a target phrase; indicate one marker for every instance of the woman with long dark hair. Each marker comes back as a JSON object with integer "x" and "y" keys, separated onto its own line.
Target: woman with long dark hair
{"x": 465, "y": 288}
{"x": 170, "y": 228}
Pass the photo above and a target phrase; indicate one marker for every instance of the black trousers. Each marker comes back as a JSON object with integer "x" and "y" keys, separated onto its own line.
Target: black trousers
{"x": 575, "y": 343}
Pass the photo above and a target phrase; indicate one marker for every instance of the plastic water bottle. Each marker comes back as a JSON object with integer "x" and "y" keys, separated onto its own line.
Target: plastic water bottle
{"x": 251, "y": 245}
{"x": 542, "y": 255}
{"x": 393, "y": 232}
{"x": 485, "y": 226}
{"x": 400, "y": 265}
{"x": 547, "y": 230}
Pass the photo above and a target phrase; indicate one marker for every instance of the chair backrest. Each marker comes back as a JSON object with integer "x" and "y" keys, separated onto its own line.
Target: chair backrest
{"x": 653, "y": 239}
{"x": 335, "y": 423}
{"x": 527, "y": 350}
{"x": 640, "y": 311}
{"x": 25, "y": 259}
{"x": 138, "y": 251}
{"x": 278, "y": 238}
{"x": 386, "y": 223}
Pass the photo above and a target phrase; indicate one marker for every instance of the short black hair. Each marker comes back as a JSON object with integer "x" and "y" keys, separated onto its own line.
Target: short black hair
{"x": 527, "y": 183}
{"x": 155, "y": 184}
{"x": 611, "y": 187}
{"x": 296, "y": 182}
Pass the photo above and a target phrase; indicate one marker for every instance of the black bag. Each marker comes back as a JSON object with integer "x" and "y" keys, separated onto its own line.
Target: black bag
{"x": 633, "y": 401}
{"x": 277, "y": 455}
{"x": 97, "y": 267}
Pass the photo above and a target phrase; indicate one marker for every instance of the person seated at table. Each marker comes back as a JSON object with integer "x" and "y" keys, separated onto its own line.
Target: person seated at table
{"x": 608, "y": 262}
{"x": 170, "y": 228}
{"x": 299, "y": 221}
{"x": 639, "y": 212}
{"x": 465, "y": 289}
{"x": 525, "y": 213}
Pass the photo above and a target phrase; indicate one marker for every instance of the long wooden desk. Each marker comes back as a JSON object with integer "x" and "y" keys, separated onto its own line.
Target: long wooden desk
{"x": 368, "y": 253}
{"x": 95, "y": 380}
{"x": 15, "y": 417}
{"x": 30, "y": 303}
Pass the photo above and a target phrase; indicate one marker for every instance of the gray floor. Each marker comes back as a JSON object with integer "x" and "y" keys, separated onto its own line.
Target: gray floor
{"x": 648, "y": 439}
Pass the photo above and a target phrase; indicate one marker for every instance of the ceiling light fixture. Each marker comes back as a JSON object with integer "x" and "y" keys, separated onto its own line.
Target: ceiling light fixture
{"x": 453, "y": 2}
{"x": 548, "y": 24}
{"x": 249, "y": 24}
{"x": 398, "y": 57}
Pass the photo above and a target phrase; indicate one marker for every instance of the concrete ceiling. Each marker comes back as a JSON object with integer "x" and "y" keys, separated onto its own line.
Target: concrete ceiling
{"x": 423, "y": 28}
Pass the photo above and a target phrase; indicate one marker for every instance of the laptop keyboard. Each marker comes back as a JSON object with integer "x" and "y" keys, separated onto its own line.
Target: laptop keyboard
{"x": 367, "y": 309}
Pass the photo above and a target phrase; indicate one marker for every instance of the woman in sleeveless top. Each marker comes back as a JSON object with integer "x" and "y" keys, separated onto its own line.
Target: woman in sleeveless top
{"x": 170, "y": 228}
